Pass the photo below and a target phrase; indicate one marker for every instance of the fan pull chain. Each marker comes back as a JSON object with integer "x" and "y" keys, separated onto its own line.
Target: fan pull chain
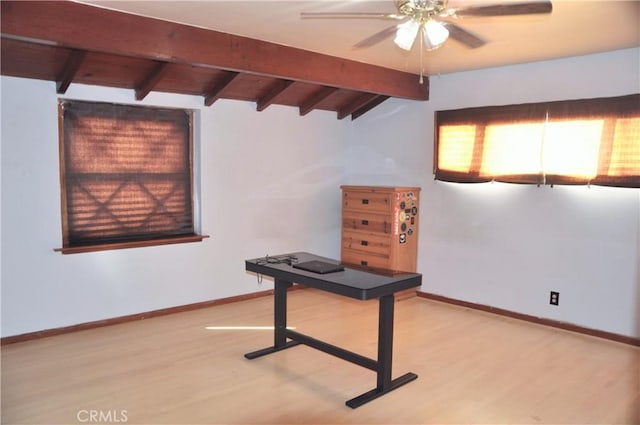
{"x": 422, "y": 30}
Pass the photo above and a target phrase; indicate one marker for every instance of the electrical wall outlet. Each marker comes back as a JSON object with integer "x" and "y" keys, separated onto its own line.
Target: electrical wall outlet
{"x": 554, "y": 298}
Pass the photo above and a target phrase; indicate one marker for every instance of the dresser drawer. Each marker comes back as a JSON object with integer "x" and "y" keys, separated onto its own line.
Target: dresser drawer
{"x": 354, "y": 220}
{"x": 366, "y": 201}
{"x": 361, "y": 259}
{"x": 366, "y": 243}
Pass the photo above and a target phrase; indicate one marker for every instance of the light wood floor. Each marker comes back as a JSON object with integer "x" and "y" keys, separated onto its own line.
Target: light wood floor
{"x": 473, "y": 367}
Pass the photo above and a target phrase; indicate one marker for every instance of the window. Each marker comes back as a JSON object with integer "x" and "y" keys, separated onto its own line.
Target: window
{"x": 126, "y": 176}
{"x": 588, "y": 141}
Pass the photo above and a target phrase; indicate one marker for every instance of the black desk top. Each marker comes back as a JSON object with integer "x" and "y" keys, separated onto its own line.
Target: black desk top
{"x": 351, "y": 282}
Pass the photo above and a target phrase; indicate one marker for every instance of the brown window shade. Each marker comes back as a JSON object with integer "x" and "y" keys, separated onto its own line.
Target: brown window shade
{"x": 126, "y": 173}
{"x": 587, "y": 141}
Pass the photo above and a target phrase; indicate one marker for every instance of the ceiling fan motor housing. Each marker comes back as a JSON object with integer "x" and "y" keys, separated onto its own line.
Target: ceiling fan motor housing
{"x": 421, "y": 10}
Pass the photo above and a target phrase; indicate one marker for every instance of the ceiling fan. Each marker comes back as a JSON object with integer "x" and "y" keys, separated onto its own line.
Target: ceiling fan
{"x": 430, "y": 21}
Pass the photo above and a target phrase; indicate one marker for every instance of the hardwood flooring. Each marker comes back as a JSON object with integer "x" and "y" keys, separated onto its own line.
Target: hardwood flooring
{"x": 188, "y": 368}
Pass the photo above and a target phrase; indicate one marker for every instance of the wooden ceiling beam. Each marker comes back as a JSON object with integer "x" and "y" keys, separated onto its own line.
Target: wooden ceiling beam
{"x": 309, "y": 104}
{"x": 274, "y": 91}
{"x": 356, "y": 104}
{"x": 70, "y": 70}
{"x": 151, "y": 80}
{"x": 215, "y": 92}
{"x": 368, "y": 106}
{"x": 85, "y": 27}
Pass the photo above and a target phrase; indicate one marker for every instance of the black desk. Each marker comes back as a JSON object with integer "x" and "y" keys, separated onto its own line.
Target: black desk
{"x": 353, "y": 283}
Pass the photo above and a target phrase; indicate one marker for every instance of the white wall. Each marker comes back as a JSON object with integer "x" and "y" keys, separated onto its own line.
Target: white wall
{"x": 269, "y": 184}
{"x": 505, "y": 245}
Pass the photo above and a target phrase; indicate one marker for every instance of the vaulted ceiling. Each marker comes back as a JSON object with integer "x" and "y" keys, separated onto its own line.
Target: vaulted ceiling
{"x": 574, "y": 27}
{"x": 69, "y": 43}
{"x": 262, "y": 52}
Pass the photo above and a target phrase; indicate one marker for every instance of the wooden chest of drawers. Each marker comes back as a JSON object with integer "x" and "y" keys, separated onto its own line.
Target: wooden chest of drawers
{"x": 380, "y": 227}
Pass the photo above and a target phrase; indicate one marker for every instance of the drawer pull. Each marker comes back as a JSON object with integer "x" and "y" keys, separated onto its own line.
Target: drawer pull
{"x": 364, "y": 243}
{"x": 365, "y": 201}
{"x": 364, "y": 263}
{"x": 365, "y": 222}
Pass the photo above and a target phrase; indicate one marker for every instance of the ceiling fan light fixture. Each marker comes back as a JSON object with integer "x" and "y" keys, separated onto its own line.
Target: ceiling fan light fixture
{"x": 435, "y": 34}
{"x": 406, "y": 34}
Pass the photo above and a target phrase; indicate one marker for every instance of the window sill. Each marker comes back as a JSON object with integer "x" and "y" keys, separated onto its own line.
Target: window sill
{"x": 134, "y": 244}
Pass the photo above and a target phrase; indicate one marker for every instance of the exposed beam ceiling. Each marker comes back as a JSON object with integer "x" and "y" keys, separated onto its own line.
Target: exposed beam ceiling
{"x": 69, "y": 42}
{"x": 574, "y": 28}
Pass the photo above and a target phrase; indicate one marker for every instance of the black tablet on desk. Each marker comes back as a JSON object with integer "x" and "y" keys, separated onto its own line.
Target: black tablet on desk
{"x": 321, "y": 267}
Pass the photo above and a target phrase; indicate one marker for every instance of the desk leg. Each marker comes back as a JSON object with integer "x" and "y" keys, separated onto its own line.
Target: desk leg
{"x": 385, "y": 341}
{"x": 385, "y": 357}
{"x": 280, "y": 312}
{"x": 280, "y": 321}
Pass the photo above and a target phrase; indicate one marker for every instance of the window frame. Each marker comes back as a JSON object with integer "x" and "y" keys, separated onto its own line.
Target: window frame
{"x": 123, "y": 240}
